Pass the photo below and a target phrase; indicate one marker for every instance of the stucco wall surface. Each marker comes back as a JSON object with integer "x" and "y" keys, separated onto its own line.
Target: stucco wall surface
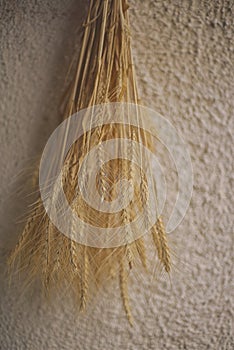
{"x": 183, "y": 51}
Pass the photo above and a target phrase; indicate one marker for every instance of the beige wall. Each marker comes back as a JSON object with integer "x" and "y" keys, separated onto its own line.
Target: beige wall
{"x": 184, "y": 59}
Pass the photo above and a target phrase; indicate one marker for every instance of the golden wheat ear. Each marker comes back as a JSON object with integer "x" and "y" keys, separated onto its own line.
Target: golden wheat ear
{"x": 161, "y": 243}
{"x": 104, "y": 74}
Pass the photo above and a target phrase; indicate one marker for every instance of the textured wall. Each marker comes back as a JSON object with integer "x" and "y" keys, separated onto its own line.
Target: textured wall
{"x": 184, "y": 59}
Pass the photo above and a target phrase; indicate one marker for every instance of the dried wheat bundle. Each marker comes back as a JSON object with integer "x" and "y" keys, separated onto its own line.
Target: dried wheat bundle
{"x": 105, "y": 74}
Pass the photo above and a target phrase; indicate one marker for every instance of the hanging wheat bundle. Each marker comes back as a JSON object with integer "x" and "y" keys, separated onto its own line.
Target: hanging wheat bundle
{"x": 104, "y": 77}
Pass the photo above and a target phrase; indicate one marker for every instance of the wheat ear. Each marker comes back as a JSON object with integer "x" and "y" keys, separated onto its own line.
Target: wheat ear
{"x": 140, "y": 245}
{"x": 84, "y": 280}
{"x": 123, "y": 280}
{"x": 161, "y": 243}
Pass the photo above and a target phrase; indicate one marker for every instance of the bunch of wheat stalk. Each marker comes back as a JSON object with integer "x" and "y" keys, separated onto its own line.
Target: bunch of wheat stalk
{"x": 104, "y": 74}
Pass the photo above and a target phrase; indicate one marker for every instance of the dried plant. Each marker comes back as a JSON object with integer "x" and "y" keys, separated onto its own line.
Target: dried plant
{"x": 105, "y": 73}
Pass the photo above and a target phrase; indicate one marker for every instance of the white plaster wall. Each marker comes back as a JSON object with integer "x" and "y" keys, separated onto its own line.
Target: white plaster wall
{"x": 184, "y": 59}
